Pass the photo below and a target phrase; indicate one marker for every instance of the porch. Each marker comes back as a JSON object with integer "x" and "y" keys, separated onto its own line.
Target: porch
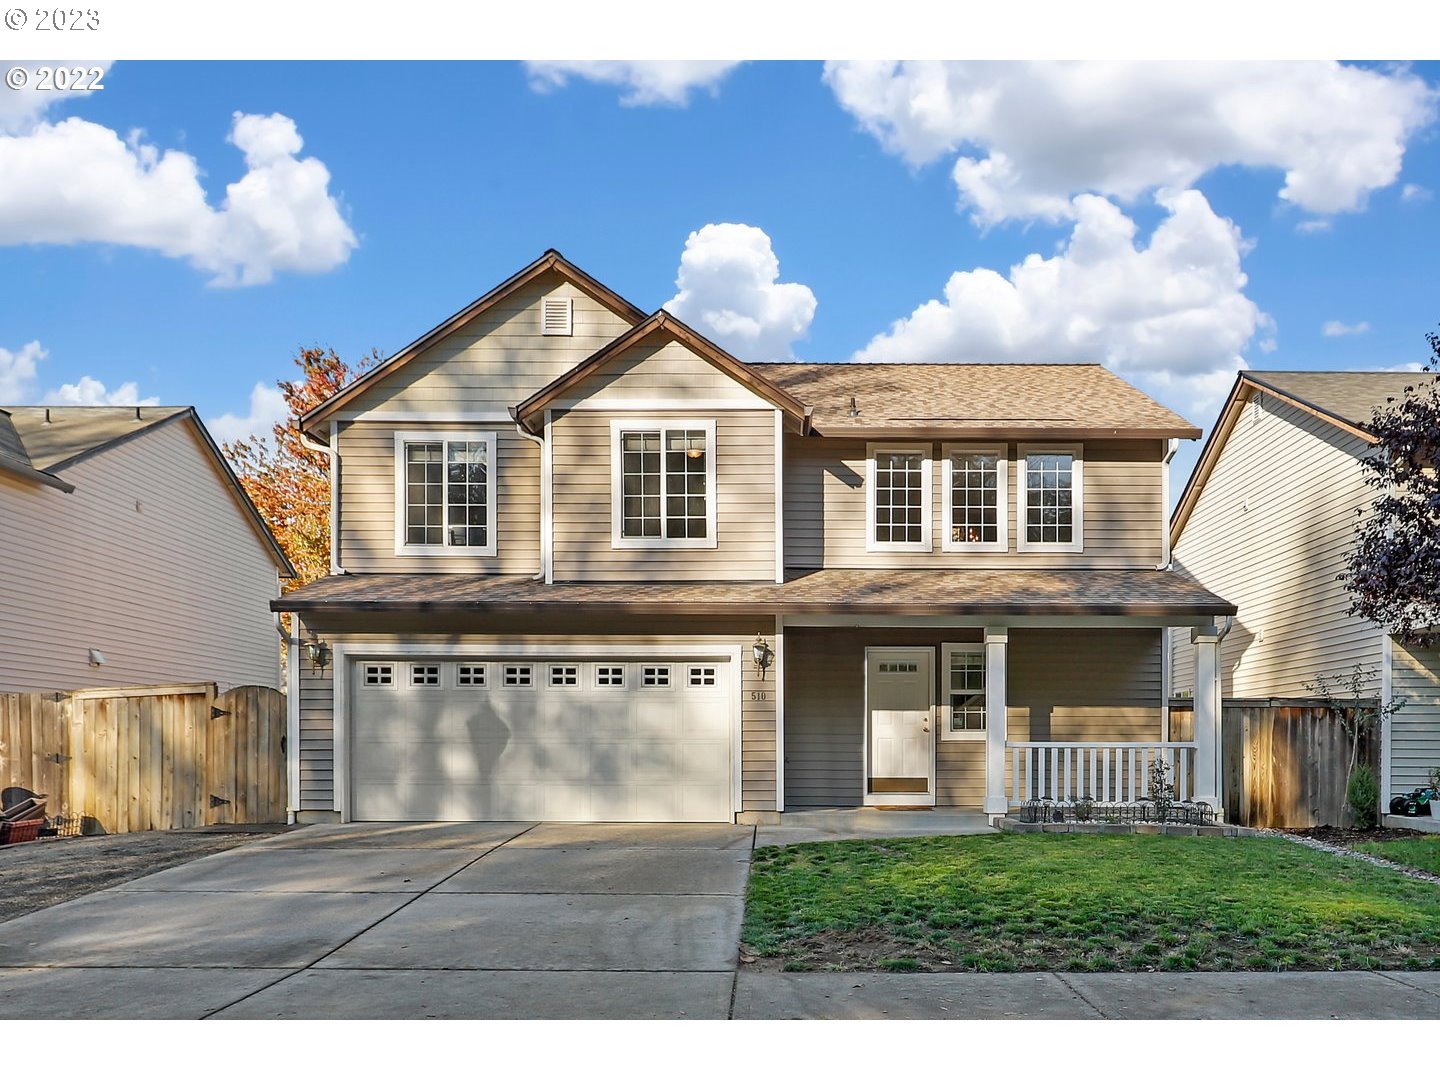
{"x": 937, "y": 714}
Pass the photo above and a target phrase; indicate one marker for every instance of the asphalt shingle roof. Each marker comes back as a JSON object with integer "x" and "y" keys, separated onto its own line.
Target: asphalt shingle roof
{"x": 1350, "y": 395}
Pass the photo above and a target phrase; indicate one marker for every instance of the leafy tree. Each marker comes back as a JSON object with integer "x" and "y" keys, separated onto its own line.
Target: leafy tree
{"x": 290, "y": 484}
{"x": 1358, "y": 714}
{"x": 1393, "y": 570}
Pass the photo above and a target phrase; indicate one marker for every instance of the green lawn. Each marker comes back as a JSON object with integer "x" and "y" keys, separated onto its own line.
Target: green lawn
{"x": 1423, "y": 853}
{"x": 1084, "y": 903}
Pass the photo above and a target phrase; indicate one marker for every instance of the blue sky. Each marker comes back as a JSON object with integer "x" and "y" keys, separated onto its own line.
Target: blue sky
{"x": 451, "y": 176}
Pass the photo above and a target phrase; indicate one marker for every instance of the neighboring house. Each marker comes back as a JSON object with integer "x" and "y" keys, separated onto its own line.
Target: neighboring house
{"x": 1267, "y": 519}
{"x": 131, "y": 554}
{"x": 590, "y": 566}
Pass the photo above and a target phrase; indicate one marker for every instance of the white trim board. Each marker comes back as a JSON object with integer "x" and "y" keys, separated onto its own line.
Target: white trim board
{"x": 477, "y": 416}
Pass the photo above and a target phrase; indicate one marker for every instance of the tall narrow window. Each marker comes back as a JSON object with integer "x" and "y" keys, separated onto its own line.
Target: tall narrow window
{"x": 899, "y": 504}
{"x": 445, "y": 493}
{"x": 975, "y": 505}
{"x": 965, "y": 692}
{"x": 1051, "y": 501}
{"x": 664, "y": 480}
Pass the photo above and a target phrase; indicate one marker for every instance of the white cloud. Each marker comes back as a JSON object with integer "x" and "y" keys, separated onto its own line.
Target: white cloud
{"x": 20, "y": 379}
{"x": 730, "y": 290}
{"x": 1336, "y": 328}
{"x": 91, "y": 391}
{"x": 18, "y": 372}
{"x": 1414, "y": 193}
{"x": 1170, "y": 315}
{"x": 267, "y": 408}
{"x": 1032, "y": 134}
{"x": 78, "y": 182}
{"x": 1313, "y": 225}
{"x": 642, "y": 82}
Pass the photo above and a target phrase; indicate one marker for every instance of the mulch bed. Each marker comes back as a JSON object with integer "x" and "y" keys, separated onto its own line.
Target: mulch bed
{"x": 1331, "y": 834}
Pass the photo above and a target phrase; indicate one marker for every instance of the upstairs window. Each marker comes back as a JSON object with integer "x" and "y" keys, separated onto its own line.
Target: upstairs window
{"x": 899, "y": 504}
{"x": 445, "y": 493}
{"x": 663, "y": 480}
{"x": 1050, "y": 499}
{"x": 975, "y": 504}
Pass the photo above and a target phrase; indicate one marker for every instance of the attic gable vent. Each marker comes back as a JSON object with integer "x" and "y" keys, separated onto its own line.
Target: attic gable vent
{"x": 555, "y": 316}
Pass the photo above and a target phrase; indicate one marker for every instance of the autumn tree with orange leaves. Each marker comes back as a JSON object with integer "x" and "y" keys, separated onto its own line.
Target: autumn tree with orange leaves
{"x": 289, "y": 483}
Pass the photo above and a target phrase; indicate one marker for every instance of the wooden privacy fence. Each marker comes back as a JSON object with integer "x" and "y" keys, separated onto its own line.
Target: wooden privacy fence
{"x": 149, "y": 757}
{"x": 1283, "y": 761}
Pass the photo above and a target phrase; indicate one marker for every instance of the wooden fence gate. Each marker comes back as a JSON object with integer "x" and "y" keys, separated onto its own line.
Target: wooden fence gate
{"x": 1283, "y": 761}
{"x": 149, "y": 757}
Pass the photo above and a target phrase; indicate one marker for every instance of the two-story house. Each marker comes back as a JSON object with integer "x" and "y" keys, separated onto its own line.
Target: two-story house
{"x": 1268, "y": 518}
{"x": 590, "y": 566}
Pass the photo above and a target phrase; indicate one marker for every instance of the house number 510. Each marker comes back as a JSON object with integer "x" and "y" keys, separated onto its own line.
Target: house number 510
{"x": 759, "y": 695}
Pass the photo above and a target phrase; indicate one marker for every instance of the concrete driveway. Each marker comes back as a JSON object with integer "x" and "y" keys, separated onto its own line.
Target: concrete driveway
{"x": 429, "y": 920}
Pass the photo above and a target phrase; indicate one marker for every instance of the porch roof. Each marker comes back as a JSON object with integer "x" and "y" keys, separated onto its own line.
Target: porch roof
{"x": 1146, "y": 593}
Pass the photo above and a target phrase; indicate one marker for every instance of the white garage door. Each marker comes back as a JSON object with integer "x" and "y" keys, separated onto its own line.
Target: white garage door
{"x": 556, "y": 740}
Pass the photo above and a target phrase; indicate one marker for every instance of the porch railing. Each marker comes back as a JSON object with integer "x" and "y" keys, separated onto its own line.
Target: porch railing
{"x": 1108, "y": 772}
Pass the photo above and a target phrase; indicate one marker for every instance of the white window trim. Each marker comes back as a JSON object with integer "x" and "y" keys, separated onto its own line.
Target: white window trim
{"x": 948, "y": 650}
{"x": 484, "y": 672}
{"x": 445, "y": 550}
{"x": 1002, "y": 496}
{"x": 927, "y": 523}
{"x": 617, "y": 482}
{"x": 668, "y": 684}
{"x": 412, "y": 668}
{"x": 595, "y": 683}
{"x": 1077, "y": 494}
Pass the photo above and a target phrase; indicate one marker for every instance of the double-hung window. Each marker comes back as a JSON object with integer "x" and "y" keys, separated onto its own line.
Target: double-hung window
{"x": 663, "y": 483}
{"x": 445, "y": 493}
{"x": 1049, "y": 497}
{"x": 898, "y": 508}
{"x": 975, "y": 501}
{"x": 963, "y": 686}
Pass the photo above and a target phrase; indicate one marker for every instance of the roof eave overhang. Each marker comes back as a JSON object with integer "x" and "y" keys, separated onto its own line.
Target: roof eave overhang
{"x": 530, "y": 412}
{"x": 788, "y": 607}
{"x": 971, "y": 431}
{"x": 27, "y": 472}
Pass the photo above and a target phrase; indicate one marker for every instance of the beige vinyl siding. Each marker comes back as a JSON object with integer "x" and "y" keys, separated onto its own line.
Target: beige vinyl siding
{"x": 663, "y": 372}
{"x": 745, "y": 504}
{"x": 1063, "y": 685}
{"x": 1415, "y": 729}
{"x": 151, "y": 560}
{"x": 825, "y": 509}
{"x": 757, "y": 717}
{"x": 367, "y": 503}
{"x": 498, "y": 359}
{"x": 1269, "y": 533}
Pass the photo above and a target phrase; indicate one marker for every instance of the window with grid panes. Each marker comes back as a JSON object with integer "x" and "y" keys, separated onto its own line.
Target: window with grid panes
{"x": 899, "y": 498}
{"x": 664, "y": 477}
{"x": 1049, "y": 498}
{"x": 975, "y": 503}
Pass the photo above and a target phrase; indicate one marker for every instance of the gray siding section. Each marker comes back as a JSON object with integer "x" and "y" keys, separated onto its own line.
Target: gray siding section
{"x": 151, "y": 561}
{"x": 825, "y": 501}
{"x": 499, "y": 359}
{"x": 1269, "y": 533}
{"x": 367, "y": 503}
{"x": 745, "y": 505}
{"x": 1095, "y": 686}
{"x": 1415, "y": 729}
{"x": 665, "y": 372}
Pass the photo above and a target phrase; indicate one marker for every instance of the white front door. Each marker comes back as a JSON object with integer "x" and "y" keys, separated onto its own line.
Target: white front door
{"x": 900, "y": 700}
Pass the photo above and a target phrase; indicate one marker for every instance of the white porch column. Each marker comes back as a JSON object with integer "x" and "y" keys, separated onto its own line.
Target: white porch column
{"x": 1207, "y": 716}
{"x": 997, "y": 639}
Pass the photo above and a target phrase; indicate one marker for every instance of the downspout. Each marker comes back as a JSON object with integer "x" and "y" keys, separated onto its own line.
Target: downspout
{"x": 1165, "y": 552}
{"x": 543, "y": 575}
{"x": 333, "y": 452}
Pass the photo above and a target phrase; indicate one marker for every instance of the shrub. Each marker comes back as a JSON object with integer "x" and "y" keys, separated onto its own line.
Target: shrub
{"x": 1362, "y": 793}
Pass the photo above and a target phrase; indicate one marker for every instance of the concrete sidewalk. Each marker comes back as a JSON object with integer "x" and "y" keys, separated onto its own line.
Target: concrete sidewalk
{"x": 1308, "y": 995}
{"x": 870, "y": 823}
